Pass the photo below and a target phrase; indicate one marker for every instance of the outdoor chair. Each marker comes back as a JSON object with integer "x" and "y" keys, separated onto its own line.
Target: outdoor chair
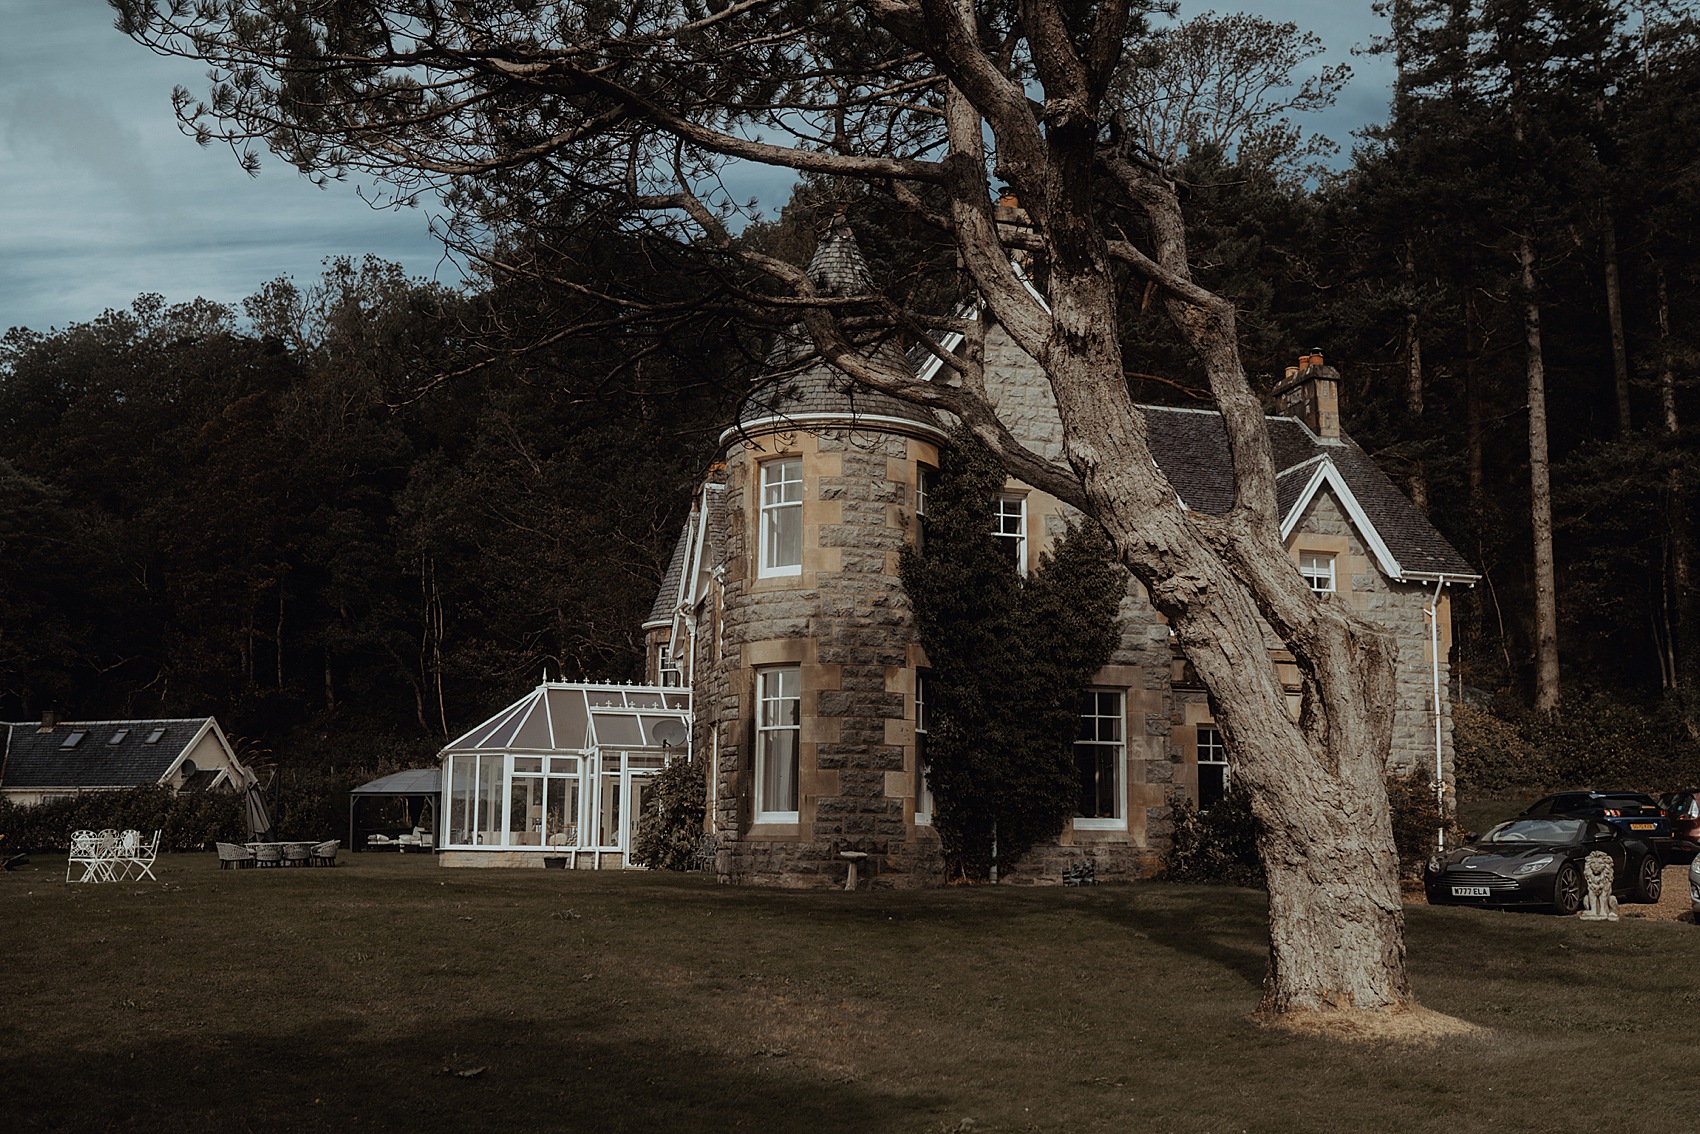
{"x": 324, "y": 854}
{"x": 297, "y": 854}
{"x": 136, "y": 857}
{"x": 85, "y": 852}
{"x": 231, "y": 856}
{"x": 268, "y": 854}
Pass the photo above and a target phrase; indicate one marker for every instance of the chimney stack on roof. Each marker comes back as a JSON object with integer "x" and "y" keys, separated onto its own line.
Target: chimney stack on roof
{"x": 49, "y": 718}
{"x": 1311, "y": 393}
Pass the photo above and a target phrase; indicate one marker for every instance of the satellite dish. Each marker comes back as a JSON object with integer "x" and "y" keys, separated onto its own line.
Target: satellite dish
{"x": 668, "y": 732}
{"x": 188, "y": 767}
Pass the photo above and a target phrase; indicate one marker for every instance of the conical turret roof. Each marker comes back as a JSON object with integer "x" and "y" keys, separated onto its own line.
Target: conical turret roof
{"x": 815, "y": 394}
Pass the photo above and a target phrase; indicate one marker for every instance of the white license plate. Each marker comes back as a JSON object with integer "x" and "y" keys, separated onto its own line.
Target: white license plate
{"x": 1470, "y": 891}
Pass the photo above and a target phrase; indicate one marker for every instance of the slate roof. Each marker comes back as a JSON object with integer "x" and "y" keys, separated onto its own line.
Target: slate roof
{"x": 661, "y": 614}
{"x": 101, "y": 759}
{"x": 801, "y": 390}
{"x": 1191, "y": 447}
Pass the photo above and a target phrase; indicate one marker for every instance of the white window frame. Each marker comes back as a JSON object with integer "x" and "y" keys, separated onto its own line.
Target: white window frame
{"x": 923, "y": 790}
{"x": 1118, "y": 821}
{"x": 1212, "y": 753}
{"x": 771, "y": 692}
{"x": 1317, "y": 567}
{"x": 776, "y": 502}
{"x": 1003, "y": 530}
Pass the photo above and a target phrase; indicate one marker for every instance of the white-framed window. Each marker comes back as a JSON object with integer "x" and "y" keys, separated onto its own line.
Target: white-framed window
{"x": 779, "y": 728}
{"x": 1100, "y": 748}
{"x": 1212, "y": 766}
{"x": 924, "y": 478}
{"x": 782, "y": 517}
{"x": 923, "y": 789}
{"x": 1317, "y": 567}
{"x": 1009, "y": 525}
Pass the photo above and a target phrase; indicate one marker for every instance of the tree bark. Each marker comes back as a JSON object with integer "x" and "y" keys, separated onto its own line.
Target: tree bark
{"x": 1540, "y": 491}
{"x": 1614, "y": 315}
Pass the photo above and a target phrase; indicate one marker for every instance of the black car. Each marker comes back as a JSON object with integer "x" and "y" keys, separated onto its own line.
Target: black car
{"x": 1632, "y": 812}
{"x": 1538, "y": 862}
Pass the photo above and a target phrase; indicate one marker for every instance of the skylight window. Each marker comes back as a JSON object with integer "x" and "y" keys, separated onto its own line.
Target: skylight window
{"x": 118, "y": 737}
{"x": 153, "y": 737}
{"x": 73, "y": 739}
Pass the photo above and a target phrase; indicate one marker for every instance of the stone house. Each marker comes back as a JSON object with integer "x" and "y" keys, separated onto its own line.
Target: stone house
{"x": 783, "y": 613}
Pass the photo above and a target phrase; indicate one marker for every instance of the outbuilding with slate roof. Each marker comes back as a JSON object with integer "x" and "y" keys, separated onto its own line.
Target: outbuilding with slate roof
{"x": 48, "y": 760}
{"x": 782, "y": 611}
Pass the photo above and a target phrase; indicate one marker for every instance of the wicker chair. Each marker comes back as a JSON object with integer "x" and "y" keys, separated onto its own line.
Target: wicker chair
{"x": 268, "y": 854}
{"x": 324, "y": 854}
{"x": 297, "y": 854}
{"x": 232, "y": 856}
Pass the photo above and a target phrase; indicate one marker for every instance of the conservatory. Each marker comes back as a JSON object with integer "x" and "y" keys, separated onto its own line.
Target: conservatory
{"x": 560, "y": 775}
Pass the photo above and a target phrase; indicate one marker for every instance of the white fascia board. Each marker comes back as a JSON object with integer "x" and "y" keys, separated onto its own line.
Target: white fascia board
{"x": 930, "y": 369}
{"x": 1327, "y": 473}
{"x": 183, "y": 753}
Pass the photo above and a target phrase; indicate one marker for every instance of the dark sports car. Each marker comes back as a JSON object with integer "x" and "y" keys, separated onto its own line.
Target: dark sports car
{"x": 1632, "y": 812}
{"x": 1538, "y": 862}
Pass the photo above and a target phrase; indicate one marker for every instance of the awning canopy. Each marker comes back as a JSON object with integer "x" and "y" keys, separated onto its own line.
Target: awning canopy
{"x": 562, "y": 717}
{"x": 414, "y": 781}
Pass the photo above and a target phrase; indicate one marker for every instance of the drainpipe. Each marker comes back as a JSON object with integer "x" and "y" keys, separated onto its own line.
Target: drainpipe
{"x": 1433, "y": 612}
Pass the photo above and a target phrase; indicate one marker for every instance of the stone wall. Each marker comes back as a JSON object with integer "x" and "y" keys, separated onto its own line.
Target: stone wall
{"x": 1399, "y": 608}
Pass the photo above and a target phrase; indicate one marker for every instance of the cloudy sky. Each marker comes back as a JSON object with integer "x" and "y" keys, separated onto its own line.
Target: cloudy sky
{"x": 102, "y": 199}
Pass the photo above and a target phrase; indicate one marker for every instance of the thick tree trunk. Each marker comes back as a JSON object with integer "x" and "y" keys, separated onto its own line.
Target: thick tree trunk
{"x": 1540, "y": 492}
{"x": 1317, "y": 783}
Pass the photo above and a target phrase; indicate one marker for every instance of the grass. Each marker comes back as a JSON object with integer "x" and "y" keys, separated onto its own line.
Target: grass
{"x": 392, "y": 995}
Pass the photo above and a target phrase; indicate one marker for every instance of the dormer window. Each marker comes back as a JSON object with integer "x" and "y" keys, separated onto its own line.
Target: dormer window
{"x": 1318, "y": 571}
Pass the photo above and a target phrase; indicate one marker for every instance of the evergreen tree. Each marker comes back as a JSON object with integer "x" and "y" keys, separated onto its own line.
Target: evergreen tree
{"x": 1010, "y": 657}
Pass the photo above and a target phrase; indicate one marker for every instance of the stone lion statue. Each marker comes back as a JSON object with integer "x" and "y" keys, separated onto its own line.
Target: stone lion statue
{"x": 1599, "y": 905}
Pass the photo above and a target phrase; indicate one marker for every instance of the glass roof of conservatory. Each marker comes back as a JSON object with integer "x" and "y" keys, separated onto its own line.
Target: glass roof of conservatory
{"x": 569, "y": 717}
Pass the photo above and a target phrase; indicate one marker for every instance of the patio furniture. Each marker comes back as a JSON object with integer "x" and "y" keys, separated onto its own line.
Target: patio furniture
{"x": 85, "y": 853}
{"x": 324, "y": 854}
{"x": 136, "y": 857}
{"x": 297, "y": 854}
{"x": 268, "y": 854}
{"x": 234, "y": 857}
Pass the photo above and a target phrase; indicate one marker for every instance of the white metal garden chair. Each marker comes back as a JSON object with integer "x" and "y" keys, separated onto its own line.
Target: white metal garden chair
{"x": 85, "y": 850}
{"x": 135, "y": 857}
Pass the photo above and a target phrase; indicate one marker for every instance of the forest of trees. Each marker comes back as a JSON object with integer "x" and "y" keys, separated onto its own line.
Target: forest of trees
{"x": 365, "y": 506}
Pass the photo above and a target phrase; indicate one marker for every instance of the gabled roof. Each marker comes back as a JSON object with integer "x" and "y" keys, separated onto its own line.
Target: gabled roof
{"x": 562, "y": 716}
{"x": 109, "y": 754}
{"x": 1191, "y": 447}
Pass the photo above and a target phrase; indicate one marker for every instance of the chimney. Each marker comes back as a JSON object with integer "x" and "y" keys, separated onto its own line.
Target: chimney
{"x": 49, "y": 718}
{"x": 1311, "y": 393}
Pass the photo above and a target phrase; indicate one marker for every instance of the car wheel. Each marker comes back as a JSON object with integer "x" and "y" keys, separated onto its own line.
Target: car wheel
{"x": 1650, "y": 880}
{"x": 1567, "y": 889}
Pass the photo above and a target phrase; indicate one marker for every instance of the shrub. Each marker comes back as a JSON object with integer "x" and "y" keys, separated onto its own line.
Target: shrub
{"x": 1416, "y": 818}
{"x": 1598, "y": 741}
{"x": 670, "y": 825}
{"x": 1492, "y": 757}
{"x": 191, "y": 821}
{"x": 1218, "y": 845}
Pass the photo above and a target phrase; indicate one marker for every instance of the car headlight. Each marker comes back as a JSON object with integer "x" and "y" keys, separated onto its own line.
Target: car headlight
{"x": 1535, "y": 864}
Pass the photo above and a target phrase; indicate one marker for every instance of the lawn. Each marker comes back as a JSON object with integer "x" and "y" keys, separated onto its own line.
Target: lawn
{"x": 388, "y": 994}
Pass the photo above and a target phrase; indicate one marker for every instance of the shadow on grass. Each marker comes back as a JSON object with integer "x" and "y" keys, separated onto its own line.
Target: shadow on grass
{"x": 520, "y": 1075}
